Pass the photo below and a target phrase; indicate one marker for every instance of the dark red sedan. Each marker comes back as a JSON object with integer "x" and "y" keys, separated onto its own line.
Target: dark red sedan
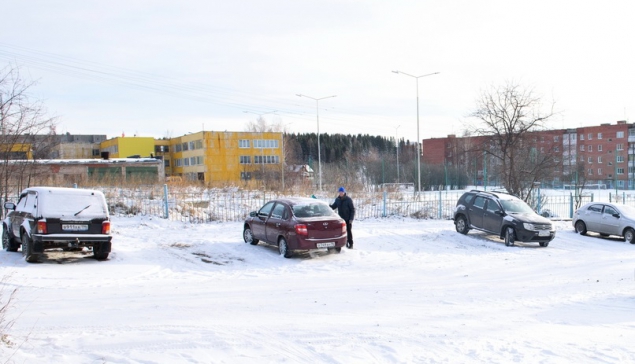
{"x": 296, "y": 224}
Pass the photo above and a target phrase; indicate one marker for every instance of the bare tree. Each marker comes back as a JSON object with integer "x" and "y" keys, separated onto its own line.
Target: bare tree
{"x": 507, "y": 117}
{"x": 21, "y": 118}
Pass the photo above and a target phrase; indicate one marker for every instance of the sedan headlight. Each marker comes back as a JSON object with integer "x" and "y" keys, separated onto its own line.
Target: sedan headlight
{"x": 529, "y": 226}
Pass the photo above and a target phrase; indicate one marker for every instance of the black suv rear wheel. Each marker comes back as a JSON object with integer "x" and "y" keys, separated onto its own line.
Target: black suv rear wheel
{"x": 27, "y": 249}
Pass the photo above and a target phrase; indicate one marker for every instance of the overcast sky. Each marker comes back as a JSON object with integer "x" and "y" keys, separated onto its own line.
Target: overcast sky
{"x": 166, "y": 68}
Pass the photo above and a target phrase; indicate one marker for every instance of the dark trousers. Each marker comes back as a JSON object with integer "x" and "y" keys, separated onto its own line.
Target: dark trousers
{"x": 349, "y": 232}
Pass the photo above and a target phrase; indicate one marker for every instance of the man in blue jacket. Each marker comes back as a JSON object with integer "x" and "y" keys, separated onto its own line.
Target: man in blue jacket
{"x": 346, "y": 210}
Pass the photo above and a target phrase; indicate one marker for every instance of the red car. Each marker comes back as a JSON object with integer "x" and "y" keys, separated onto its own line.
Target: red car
{"x": 296, "y": 224}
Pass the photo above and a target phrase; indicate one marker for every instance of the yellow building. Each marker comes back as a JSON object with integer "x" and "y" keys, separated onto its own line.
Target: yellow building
{"x": 16, "y": 151}
{"x": 125, "y": 147}
{"x": 226, "y": 157}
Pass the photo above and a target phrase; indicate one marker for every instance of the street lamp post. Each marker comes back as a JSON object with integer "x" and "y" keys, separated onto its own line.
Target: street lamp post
{"x": 397, "y": 144}
{"x": 418, "y": 141}
{"x": 317, "y": 111}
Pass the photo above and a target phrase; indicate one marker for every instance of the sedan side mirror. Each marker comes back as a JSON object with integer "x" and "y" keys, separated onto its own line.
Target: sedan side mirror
{"x": 616, "y": 215}
{"x": 9, "y": 205}
{"x": 253, "y": 214}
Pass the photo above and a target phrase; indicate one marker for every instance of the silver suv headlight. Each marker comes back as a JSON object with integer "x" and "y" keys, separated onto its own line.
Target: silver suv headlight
{"x": 529, "y": 226}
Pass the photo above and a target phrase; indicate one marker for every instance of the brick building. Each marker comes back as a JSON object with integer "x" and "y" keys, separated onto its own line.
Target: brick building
{"x": 605, "y": 154}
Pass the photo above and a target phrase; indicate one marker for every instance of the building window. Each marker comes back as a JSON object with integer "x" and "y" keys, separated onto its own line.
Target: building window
{"x": 589, "y": 148}
{"x": 243, "y": 143}
{"x": 599, "y": 171}
{"x": 599, "y": 148}
{"x": 581, "y": 136}
{"x": 177, "y": 148}
{"x": 556, "y": 148}
{"x": 191, "y": 145}
{"x": 265, "y": 143}
{"x": 192, "y": 161}
{"x": 619, "y": 159}
{"x": 620, "y": 171}
{"x": 599, "y": 159}
{"x": 266, "y": 159}
{"x": 599, "y": 135}
{"x": 245, "y": 159}
{"x": 582, "y": 148}
{"x": 186, "y": 161}
{"x": 590, "y": 160}
{"x": 184, "y": 146}
{"x": 166, "y": 163}
{"x": 619, "y": 147}
{"x": 590, "y": 136}
{"x": 199, "y": 160}
{"x": 590, "y": 172}
{"x": 198, "y": 144}
{"x": 556, "y": 138}
{"x": 179, "y": 162}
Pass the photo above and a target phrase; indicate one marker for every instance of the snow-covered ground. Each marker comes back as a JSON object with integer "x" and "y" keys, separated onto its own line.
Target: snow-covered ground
{"x": 413, "y": 291}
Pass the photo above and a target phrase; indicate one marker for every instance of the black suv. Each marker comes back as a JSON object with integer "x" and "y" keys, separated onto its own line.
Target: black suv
{"x": 504, "y": 215}
{"x": 55, "y": 217}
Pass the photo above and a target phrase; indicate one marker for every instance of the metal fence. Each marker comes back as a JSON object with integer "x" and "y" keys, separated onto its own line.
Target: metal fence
{"x": 206, "y": 205}
{"x": 200, "y": 205}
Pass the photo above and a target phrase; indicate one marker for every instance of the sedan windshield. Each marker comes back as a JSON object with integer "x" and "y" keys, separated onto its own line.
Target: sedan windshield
{"x": 516, "y": 206}
{"x": 313, "y": 210}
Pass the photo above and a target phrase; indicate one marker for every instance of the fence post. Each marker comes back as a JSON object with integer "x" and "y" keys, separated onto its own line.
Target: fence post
{"x": 624, "y": 197}
{"x": 570, "y": 205}
{"x": 592, "y": 197}
{"x": 610, "y": 197}
{"x": 74, "y": 185}
{"x": 440, "y": 204}
{"x": 166, "y": 213}
{"x": 384, "y": 204}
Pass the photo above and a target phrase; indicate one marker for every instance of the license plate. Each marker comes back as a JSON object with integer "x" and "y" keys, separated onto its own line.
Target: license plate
{"x": 544, "y": 233}
{"x": 74, "y": 227}
{"x": 325, "y": 245}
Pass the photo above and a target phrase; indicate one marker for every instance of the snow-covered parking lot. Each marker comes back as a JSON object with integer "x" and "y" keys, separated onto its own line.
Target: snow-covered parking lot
{"x": 413, "y": 291}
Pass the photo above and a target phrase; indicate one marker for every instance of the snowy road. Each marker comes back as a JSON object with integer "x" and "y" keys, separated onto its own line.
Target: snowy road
{"x": 411, "y": 292}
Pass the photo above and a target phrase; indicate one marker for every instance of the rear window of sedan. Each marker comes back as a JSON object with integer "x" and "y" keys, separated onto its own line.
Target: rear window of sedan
{"x": 313, "y": 210}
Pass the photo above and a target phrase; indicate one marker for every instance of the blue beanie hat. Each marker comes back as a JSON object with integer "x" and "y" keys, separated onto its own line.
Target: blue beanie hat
{"x": 341, "y": 189}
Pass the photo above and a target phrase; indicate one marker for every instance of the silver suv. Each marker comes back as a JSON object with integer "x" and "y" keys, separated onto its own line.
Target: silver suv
{"x": 54, "y": 217}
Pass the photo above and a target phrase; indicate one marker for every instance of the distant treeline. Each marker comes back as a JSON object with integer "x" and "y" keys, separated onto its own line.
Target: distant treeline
{"x": 336, "y": 147}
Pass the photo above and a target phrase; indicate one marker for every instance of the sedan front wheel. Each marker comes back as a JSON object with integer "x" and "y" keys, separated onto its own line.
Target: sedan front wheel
{"x": 629, "y": 235}
{"x": 248, "y": 236}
